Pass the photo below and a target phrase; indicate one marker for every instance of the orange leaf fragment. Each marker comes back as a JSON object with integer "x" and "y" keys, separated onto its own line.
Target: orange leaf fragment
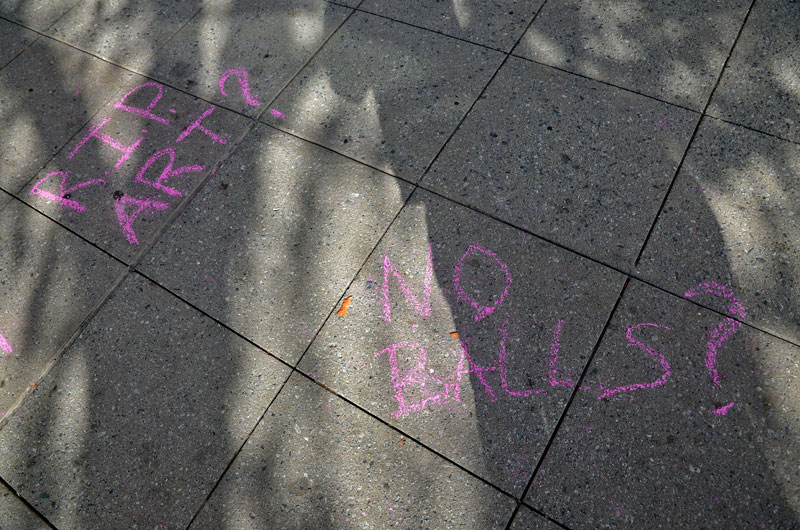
{"x": 454, "y": 334}
{"x": 345, "y": 306}
{"x": 401, "y": 442}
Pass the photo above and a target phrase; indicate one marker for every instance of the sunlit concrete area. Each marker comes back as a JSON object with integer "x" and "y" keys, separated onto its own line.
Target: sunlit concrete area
{"x": 378, "y": 264}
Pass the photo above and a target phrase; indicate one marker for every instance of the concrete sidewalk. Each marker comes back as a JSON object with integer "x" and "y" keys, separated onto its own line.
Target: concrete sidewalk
{"x": 519, "y": 264}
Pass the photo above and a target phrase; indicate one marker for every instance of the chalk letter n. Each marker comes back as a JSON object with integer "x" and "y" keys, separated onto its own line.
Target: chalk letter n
{"x": 421, "y": 306}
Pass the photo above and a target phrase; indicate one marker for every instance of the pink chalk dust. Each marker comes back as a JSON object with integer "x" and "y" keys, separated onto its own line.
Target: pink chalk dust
{"x": 421, "y": 306}
{"x": 724, "y": 329}
{"x": 654, "y": 354}
{"x": 198, "y": 124}
{"x": 482, "y": 311}
{"x": 5, "y": 346}
{"x": 723, "y": 410}
{"x": 148, "y": 111}
{"x": 167, "y": 173}
{"x": 63, "y": 191}
{"x": 94, "y": 132}
{"x": 126, "y": 219}
{"x": 244, "y": 84}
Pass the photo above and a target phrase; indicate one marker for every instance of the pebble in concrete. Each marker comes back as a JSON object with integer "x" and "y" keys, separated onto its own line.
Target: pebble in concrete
{"x": 467, "y": 334}
{"x": 316, "y": 461}
{"x": 573, "y": 160}
{"x": 760, "y": 86}
{"x": 656, "y": 442}
{"x": 140, "y": 416}
{"x": 271, "y": 242}
{"x": 732, "y": 218}
{"x": 672, "y": 51}
{"x": 49, "y": 281}
{"x": 270, "y": 41}
{"x": 385, "y": 93}
{"x": 118, "y": 180}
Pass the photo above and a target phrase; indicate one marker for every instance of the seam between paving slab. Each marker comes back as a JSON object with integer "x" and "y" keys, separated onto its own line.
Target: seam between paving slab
{"x": 24, "y": 501}
{"x": 694, "y": 134}
{"x": 577, "y": 387}
{"x": 182, "y": 206}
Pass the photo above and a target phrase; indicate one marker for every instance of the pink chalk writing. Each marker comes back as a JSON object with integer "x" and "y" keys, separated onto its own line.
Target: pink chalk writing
{"x": 478, "y": 371}
{"x": 663, "y": 122}
{"x": 94, "y": 132}
{"x": 654, "y": 354}
{"x": 421, "y": 377}
{"x": 4, "y": 345}
{"x": 126, "y": 219}
{"x": 482, "y": 310}
{"x": 197, "y": 124}
{"x": 278, "y": 114}
{"x": 61, "y": 198}
{"x": 422, "y": 306}
{"x": 723, "y": 410}
{"x": 148, "y": 111}
{"x": 167, "y": 173}
{"x": 724, "y": 329}
{"x": 554, "y": 359}
{"x": 240, "y": 74}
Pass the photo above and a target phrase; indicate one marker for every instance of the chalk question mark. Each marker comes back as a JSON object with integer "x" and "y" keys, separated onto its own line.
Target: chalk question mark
{"x": 721, "y": 333}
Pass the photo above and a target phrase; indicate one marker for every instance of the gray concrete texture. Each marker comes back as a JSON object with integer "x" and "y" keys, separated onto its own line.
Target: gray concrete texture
{"x": 16, "y": 516}
{"x": 49, "y": 282}
{"x": 128, "y": 436}
{"x": 513, "y": 264}
{"x": 316, "y": 461}
{"x": 760, "y": 86}
{"x": 129, "y": 171}
{"x": 684, "y": 451}
{"x": 673, "y": 51}
{"x": 734, "y": 217}
{"x": 570, "y": 159}
{"x": 386, "y": 94}
{"x": 275, "y": 237}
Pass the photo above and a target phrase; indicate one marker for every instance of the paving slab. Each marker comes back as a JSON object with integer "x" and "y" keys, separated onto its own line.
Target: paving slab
{"x": 17, "y": 516}
{"x": 49, "y": 281}
{"x": 140, "y": 417}
{"x": 13, "y": 39}
{"x": 760, "y": 86}
{"x": 672, "y": 51}
{"x": 732, "y": 218}
{"x": 385, "y": 93}
{"x": 254, "y": 45}
{"x": 527, "y": 519}
{"x": 575, "y": 161}
{"x": 47, "y": 94}
{"x": 475, "y": 383}
{"x": 126, "y": 32}
{"x": 317, "y": 461}
{"x": 688, "y": 419}
{"x": 37, "y": 14}
{"x": 119, "y": 178}
{"x": 272, "y": 241}
{"x": 497, "y": 23}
